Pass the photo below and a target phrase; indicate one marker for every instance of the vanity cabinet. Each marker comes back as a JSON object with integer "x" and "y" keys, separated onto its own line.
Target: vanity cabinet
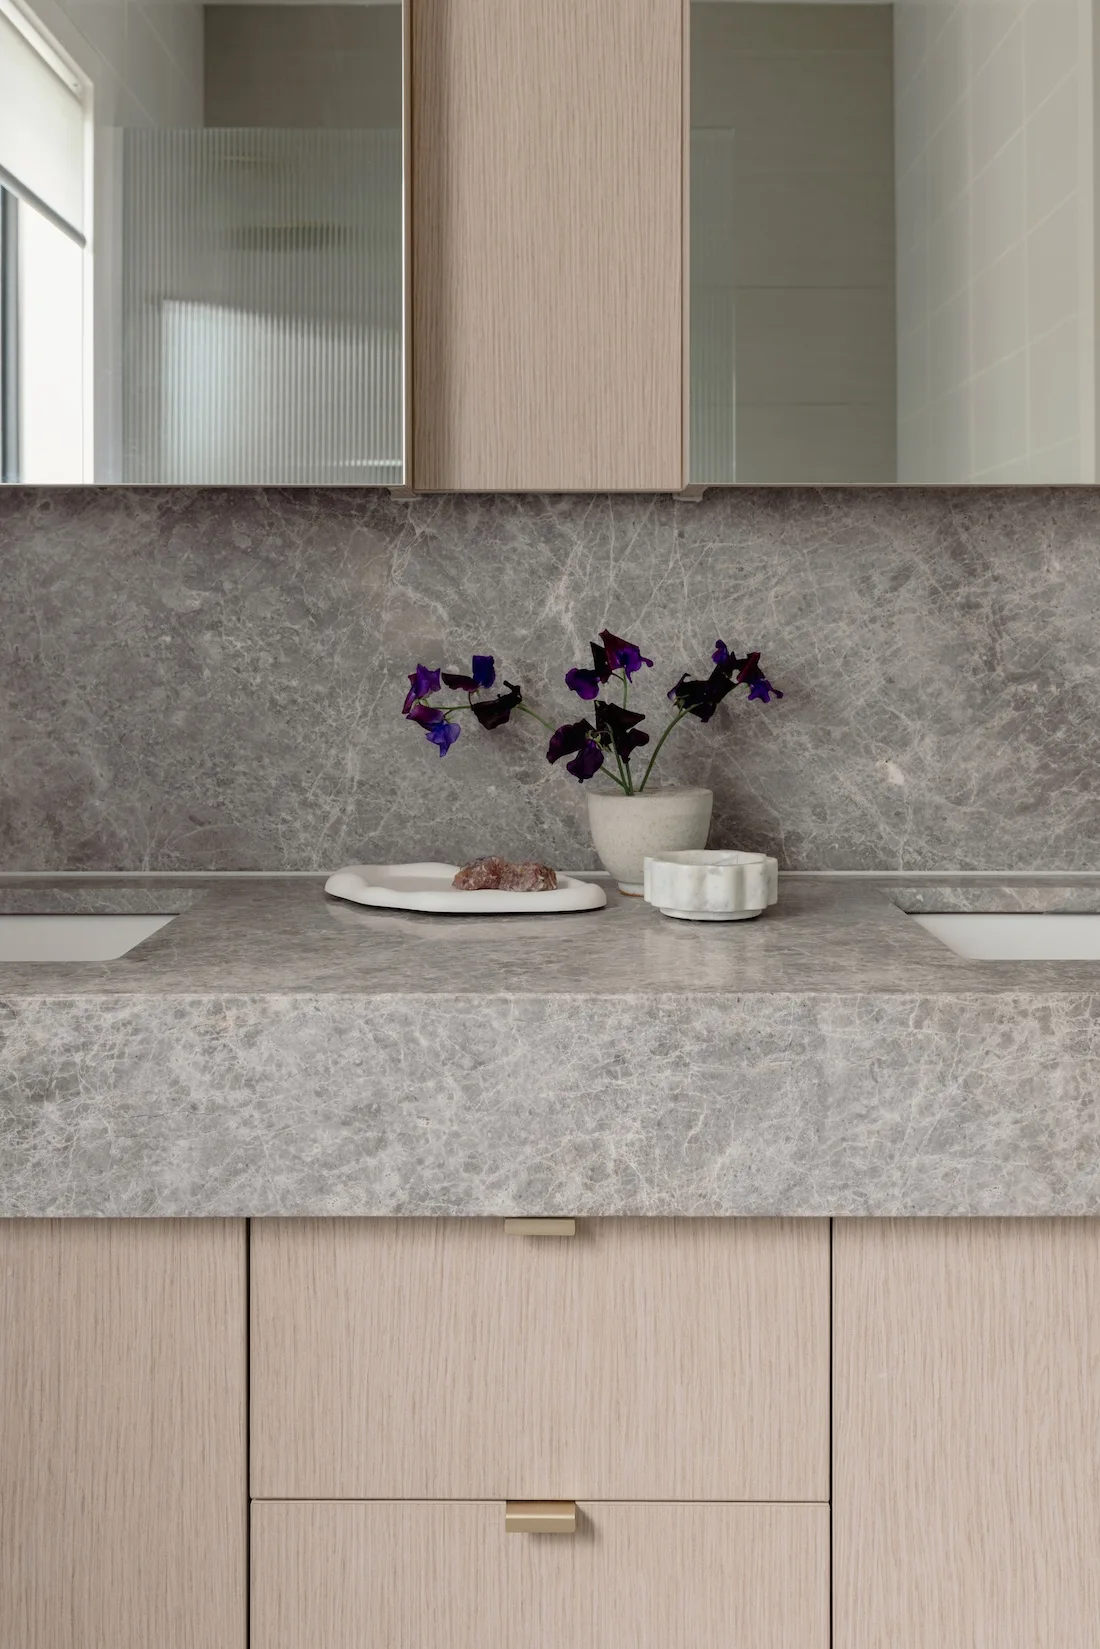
{"x": 452, "y": 1359}
{"x": 123, "y": 1483}
{"x": 419, "y": 1574}
{"x": 668, "y": 1383}
{"x": 546, "y": 164}
{"x": 669, "y": 1378}
{"x": 967, "y": 1434}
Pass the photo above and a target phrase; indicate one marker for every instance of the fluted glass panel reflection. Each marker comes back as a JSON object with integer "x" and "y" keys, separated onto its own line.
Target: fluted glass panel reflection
{"x": 712, "y": 452}
{"x": 262, "y": 306}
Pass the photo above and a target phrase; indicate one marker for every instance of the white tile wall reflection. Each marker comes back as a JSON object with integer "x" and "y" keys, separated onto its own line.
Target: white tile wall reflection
{"x": 993, "y": 134}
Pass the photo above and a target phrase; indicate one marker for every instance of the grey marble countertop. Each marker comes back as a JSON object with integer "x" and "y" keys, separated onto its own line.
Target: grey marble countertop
{"x": 274, "y": 1052}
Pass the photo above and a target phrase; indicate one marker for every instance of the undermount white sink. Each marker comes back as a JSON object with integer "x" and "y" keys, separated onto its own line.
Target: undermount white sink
{"x": 74, "y": 938}
{"x": 1017, "y": 936}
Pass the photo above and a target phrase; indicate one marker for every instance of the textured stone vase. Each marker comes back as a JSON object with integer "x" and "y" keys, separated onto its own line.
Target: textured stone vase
{"x": 627, "y": 828}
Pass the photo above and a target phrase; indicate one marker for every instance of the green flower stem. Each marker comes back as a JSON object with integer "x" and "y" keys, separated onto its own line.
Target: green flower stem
{"x": 534, "y": 715}
{"x": 624, "y": 766}
{"x": 677, "y": 718}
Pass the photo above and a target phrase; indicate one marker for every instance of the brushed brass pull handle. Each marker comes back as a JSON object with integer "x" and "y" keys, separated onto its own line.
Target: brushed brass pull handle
{"x": 540, "y": 1228}
{"x": 540, "y": 1516}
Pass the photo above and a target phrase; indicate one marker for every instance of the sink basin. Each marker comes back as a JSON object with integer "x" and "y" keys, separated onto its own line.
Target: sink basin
{"x": 74, "y": 938}
{"x": 1017, "y": 936}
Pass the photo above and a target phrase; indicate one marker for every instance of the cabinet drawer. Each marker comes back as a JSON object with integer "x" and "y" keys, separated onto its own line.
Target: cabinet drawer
{"x": 418, "y": 1575}
{"x": 637, "y": 1360}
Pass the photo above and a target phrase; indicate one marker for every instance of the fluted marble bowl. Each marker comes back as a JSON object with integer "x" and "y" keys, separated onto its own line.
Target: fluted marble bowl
{"x": 701, "y": 885}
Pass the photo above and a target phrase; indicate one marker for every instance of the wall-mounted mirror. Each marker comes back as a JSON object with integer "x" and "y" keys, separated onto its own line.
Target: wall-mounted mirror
{"x": 893, "y": 270}
{"x": 201, "y": 241}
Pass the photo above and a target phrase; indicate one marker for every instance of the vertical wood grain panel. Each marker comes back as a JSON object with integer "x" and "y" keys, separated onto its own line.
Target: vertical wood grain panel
{"x": 123, "y": 1494}
{"x": 640, "y": 1359}
{"x": 967, "y": 1434}
{"x": 433, "y": 1576}
{"x": 547, "y": 228}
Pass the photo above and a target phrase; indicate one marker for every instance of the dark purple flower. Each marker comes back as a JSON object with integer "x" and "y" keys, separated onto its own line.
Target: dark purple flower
{"x": 568, "y": 738}
{"x": 623, "y": 655}
{"x": 702, "y": 698}
{"x": 425, "y": 715}
{"x": 586, "y": 763}
{"x": 495, "y": 712}
{"x": 483, "y": 674}
{"x": 422, "y": 682}
{"x": 587, "y": 683}
{"x": 619, "y": 729}
{"x": 442, "y": 734}
{"x": 576, "y": 739}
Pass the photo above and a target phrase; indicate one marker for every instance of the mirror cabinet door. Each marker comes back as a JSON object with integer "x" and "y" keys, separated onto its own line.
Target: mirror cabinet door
{"x": 201, "y": 241}
{"x": 892, "y": 263}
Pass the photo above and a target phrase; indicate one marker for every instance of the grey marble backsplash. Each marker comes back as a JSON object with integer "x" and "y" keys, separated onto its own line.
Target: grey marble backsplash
{"x": 212, "y": 679}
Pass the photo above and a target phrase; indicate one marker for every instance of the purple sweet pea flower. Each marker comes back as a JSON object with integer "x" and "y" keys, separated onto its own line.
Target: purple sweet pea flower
{"x": 422, "y": 682}
{"x": 586, "y": 763}
{"x": 568, "y": 738}
{"x": 425, "y": 715}
{"x": 623, "y": 655}
{"x": 495, "y": 712}
{"x": 702, "y": 698}
{"x": 585, "y": 683}
{"x": 576, "y": 738}
{"x": 442, "y": 734}
{"x": 619, "y": 729}
{"x": 483, "y": 674}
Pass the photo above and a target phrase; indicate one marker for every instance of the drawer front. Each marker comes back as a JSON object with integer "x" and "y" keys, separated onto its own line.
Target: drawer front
{"x": 636, "y": 1360}
{"x": 435, "y": 1576}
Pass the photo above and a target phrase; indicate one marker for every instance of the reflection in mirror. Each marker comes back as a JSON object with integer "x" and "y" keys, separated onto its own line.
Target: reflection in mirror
{"x": 891, "y": 241}
{"x": 201, "y": 242}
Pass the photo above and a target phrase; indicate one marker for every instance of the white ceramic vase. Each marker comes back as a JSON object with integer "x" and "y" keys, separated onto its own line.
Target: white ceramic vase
{"x": 627, "y": 829}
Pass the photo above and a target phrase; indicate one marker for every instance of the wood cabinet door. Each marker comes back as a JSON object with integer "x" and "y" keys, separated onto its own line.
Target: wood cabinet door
{"x": 967, "y": 1434}
{"x": 547, "y": 165}
{"x": 416, "y": 1575}
{"x": 123, "y": 1487}
{"x": 640, "y": 1359}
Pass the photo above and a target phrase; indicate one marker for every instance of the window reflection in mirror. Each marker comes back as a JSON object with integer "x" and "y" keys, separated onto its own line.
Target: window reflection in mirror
{"x": 891, "y": 242}
{"x": 201, "y": 242}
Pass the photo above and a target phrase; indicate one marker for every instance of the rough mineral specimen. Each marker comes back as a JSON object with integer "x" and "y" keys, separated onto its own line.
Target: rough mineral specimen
{"x": 479, "y": 874}
{"x": 502, "y": 873}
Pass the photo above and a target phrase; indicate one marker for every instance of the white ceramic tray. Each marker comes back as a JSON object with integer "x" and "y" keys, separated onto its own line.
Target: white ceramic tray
{"x": 428, "y": 887}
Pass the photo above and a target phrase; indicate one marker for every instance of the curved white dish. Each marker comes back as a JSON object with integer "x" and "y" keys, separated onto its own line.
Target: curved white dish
{"x": 428, "y": 887}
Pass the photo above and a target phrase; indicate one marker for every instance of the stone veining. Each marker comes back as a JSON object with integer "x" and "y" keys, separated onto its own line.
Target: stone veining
{"x": 271, "y": 1054}
{"x": 212, "y": 679}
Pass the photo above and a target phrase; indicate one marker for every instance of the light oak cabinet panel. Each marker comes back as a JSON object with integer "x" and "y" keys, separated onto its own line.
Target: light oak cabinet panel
{"x": 967, "y": 1441}
{"x": 430, "y": 1576}
{"x": 640, "y": 1359}
{"x": 547, "y": 244}
{"x": 123, "y": 1488}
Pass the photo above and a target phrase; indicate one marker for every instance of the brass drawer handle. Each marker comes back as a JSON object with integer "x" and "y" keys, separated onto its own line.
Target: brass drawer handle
{"x": 540, "y": 1228}
{"x": 540, "y": 1516}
